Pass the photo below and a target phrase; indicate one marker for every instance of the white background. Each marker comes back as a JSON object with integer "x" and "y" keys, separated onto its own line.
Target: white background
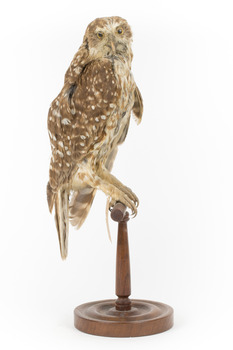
{"x": 178, "y": 161}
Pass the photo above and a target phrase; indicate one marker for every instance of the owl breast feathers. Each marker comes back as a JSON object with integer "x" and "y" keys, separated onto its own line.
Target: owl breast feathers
{"x": 86, "y": 123}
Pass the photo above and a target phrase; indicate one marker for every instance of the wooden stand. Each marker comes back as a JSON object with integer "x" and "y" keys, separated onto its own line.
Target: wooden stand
{"x": 123, "y": 317}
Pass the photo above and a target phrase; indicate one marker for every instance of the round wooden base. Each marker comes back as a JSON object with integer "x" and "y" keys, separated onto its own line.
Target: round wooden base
{"x": 145, "y": 317}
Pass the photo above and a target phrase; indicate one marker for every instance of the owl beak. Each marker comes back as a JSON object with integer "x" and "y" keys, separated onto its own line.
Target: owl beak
{"x": 113, "y": 47}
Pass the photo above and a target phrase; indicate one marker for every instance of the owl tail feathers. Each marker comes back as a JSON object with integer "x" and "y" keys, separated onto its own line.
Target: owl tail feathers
{"x": 62, "y": 220}
{"x": 80, "y": 205}
{"x": 50, "y": 197}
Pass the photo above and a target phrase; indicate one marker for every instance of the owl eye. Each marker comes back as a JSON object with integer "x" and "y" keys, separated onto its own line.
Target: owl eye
{"x": 100, "y": 35}
{"x": 120, "y": 31}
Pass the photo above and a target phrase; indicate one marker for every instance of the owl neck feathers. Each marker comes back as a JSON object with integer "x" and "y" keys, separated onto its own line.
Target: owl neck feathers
{"x": 83, "y": 57}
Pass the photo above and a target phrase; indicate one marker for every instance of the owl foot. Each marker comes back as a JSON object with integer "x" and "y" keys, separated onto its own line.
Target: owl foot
{"x": 119, "y": 196}
{"x": 131, "y": 197}
{"x": 130, "y": 194}
{"x": 125, "y": 191}
{"x": 111, "y": 204}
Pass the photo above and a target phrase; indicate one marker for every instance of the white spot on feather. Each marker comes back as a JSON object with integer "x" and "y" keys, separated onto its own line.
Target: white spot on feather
{"x": 65, "y": 121}
{"x": 60, "y": 153}
{"x": 56, "y": 113}
{"x": 77, "y": 70}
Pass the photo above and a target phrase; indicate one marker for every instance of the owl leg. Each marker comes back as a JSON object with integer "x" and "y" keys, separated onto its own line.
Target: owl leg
{"x": 112, "y": 187}
{"x": 108, "y": 177}
{"x": 116, "y": 194}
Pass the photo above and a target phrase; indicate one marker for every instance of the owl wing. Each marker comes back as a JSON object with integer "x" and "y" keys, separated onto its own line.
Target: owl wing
{"x": 77, "y": 119}
{"x": 138, "y": 105}
{"x": 93, "y": 102}
{"x": 76, "y": 122}
{"x": 59, "y": 170}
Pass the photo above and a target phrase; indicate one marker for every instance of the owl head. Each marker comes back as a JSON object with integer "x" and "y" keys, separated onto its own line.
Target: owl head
{"x": 109, "y": 37}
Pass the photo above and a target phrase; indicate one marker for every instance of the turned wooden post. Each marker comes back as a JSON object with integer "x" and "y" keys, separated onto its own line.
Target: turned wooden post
{"x": 123, "y": 317}
{"x": 123, "y": 285}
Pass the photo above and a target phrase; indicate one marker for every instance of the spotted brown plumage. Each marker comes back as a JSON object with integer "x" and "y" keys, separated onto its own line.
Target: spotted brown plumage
{"x": 88, "y": 120}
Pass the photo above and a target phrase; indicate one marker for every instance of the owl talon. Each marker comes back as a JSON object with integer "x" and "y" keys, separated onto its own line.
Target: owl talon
{"x": 130, "y": 204}
{"x": 131, "y": 195}
{"x": 111, "y": 204}
{"x": 119, "y": 196}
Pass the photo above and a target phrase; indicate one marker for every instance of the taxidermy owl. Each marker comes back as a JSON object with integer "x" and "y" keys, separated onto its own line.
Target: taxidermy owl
{"x": 86, "y": 123}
